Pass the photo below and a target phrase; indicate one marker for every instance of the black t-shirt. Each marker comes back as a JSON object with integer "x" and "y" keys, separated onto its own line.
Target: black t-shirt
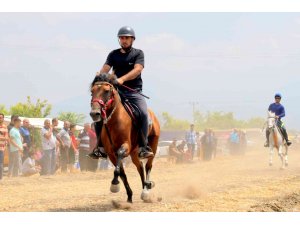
{"x": 122, "y": 63}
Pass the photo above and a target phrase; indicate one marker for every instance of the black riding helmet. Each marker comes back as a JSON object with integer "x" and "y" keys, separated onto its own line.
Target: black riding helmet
{"x": 126, "y": 31}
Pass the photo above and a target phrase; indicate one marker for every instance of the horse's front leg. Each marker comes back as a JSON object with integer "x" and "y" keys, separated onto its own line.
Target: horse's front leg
{"x": 280, "y": 153}
{"x": 271, "y": 153}
{"x": 115, "y": 187}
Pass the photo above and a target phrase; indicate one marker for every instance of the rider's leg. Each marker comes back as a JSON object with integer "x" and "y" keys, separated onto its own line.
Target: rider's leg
{"x": 284, "y": 133}
{"x": 267, "y": 137}
{"x": 144, "y": 150}
{"x": 98, "y": 151}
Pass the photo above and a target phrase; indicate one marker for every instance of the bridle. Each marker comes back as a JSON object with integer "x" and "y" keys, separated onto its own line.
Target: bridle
{"x": 105, "y": 105}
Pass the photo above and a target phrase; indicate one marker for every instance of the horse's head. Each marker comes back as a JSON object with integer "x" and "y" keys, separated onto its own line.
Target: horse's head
{"x": 271, "y": 119}
{"x": 103, "y": 93}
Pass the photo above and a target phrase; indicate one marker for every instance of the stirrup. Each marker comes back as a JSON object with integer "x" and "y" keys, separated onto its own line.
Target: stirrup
{"x": 288, "y": 143}
{"x": 97, "y": 154}
{"x": 145, "y": 152}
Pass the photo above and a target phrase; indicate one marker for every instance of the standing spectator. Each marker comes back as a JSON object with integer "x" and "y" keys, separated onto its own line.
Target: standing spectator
{"x": 214, "y": 142}
{"x": 198, "y": 141}
{"x": 84, "y": 147}
{"x": 190, "y": 138}
{"x": 11, "y": 124}
{"x": 29, "y": 168}
{"x": 25, "y": 133}
{"x": 234, "y": 141}
{"x": 243, "y": 142}
{"x": 207, "y": 143}
{"x": 15, "y": 148}
{"x": 48, "y": 145}
{"x": 65, "y": 143}
{"x": 92, "y": 163}
{"x": 3, "y": 142}
{"x": 73, "y": 150}
{"x": 55, "y": 153}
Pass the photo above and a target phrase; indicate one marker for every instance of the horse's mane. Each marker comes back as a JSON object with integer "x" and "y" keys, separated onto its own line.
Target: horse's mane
{"x": 105, "y": 77}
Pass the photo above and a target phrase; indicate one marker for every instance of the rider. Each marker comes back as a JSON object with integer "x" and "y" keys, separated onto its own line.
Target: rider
{"x": 279, "y": 111}
{"x": 127, "y": 63}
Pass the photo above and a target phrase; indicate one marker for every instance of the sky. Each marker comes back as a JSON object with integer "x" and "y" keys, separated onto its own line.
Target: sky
{"x": 230, "y": 62}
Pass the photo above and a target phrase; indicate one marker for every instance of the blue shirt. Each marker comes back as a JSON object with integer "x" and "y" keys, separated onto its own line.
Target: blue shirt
{"x": 278, "y": 109}
{"x": 26, "y": 135}
{"x": 190, "y": 137}
{"x": 234, "y": 138}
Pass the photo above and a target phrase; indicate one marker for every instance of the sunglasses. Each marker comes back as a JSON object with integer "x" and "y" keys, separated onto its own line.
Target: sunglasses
{"x": 277, "y": 98}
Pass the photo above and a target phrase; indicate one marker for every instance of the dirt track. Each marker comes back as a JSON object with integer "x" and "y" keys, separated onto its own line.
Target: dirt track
{"x": 228, "y": 183}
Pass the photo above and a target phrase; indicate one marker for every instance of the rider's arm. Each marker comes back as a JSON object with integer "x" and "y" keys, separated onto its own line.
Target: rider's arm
{"x": 137, "y": 69}
{"x": 132, "y": 74}
{"x": 282, "y": 112}
{"x": 107, "y": 65}
{"x": 105, "y": 69}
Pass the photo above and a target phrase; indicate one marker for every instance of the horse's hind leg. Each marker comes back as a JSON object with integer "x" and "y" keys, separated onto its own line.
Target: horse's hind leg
{"x": 126, "y": 184}
{"x": 140, "y": 167}
{"x": 153, "y": 142}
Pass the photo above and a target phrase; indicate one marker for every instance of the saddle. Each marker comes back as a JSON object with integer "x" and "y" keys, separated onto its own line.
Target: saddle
{"x": 134, "y": 112}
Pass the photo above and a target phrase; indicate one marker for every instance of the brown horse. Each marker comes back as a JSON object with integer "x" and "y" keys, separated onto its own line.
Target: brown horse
{"x": 119, "y": 136}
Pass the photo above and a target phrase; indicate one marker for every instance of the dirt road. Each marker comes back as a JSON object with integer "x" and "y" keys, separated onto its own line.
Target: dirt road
{"x": 228, "y": 183}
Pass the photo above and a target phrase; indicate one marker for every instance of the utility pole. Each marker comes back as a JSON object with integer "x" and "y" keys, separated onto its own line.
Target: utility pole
{"x": 193, "y": 103}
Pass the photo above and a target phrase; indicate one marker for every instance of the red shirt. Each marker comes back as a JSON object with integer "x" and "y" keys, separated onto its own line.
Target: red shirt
{"x": 93, "y": 139}
{"x": 3, "y": 135}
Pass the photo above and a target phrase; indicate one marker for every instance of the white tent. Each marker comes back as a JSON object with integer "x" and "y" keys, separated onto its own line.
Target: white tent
{"x": 39, "y": 122}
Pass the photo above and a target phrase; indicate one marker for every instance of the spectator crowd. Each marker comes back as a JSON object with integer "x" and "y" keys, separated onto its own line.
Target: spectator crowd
{"x": 61, "y": 151}
{"x": 204, "y": 147}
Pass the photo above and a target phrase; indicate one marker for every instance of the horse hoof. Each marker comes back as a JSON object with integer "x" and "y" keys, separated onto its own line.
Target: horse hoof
{"x": 270, "y": 164}
{"x": 150, "y": 184}
{"x": 286, "y": 164}
{"x": 281, "y": 168}
{"x": 145, "y": 196}
{"x": 115, "y": 188}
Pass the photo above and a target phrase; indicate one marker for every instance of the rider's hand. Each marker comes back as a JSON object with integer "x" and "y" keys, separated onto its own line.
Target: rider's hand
{"x": 97, "y": 73}
{"x": 276, "y": 117}
{"x": 120, "y": 81}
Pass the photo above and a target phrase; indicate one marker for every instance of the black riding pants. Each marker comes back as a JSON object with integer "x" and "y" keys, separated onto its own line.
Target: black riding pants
{"x": 282, "y": 129}
{"x": 140, "y": 102}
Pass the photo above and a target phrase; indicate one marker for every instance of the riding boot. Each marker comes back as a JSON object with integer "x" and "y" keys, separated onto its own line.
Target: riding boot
{"x": 285, "y": 136}
{"x": 98, "y": 151}
{"x": 268, "y": 138}
{"x": 145, "y": 150}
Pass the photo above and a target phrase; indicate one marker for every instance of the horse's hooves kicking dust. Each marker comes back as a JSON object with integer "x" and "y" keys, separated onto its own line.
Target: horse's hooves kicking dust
{"x": 121, "y": 205}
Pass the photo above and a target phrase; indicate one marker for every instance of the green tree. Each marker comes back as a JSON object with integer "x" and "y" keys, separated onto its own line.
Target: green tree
{"x": 256, "y": 122}
{"x": 215, "y": 120}
{"x": 75, "y": 118}
{"x": 199, "y": 120}
{"x": 3, "y": 110}
{"x": 170, "y": 123}
{"x": 30, "y": 109}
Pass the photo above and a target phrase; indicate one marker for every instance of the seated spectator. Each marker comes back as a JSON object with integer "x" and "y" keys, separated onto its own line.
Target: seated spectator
{"x": 174, "y": 152}
{"x": 29, "y": 168}
{"x": 181, "y": 146}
